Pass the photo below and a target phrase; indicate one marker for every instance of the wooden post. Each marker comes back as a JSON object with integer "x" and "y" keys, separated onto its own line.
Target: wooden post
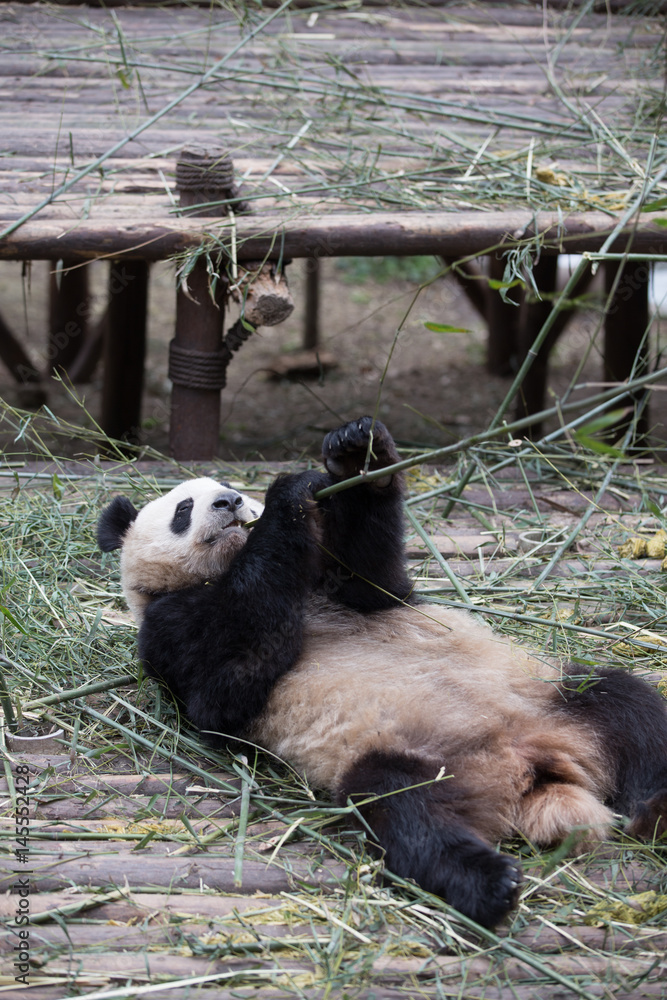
{"x": 21, "y": 368}
{"x": 198, "y": 358}
{"x": 125, "y": 349}
{"x": 625, "y": 333}
{"x": 69, "y": 306}
{"x": 197, "y": 365}
{"x": 470, "y": 278}
{"x": 503, "y": 318}
{"x": 311, "y": 331}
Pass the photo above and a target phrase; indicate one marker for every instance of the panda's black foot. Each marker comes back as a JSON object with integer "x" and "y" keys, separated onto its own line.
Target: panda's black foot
{"x": 478, "y": 882}
{"x": 423, "y": 838}
{"x": 650, "y": 818}
{"x": 453, "y": 863}
{"x": 358, "y": 446}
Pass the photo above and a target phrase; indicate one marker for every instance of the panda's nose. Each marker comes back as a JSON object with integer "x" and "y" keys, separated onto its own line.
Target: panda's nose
{"x": 229, "y": 500}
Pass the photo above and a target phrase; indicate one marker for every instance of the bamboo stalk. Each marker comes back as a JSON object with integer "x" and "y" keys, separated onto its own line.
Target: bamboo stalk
{"x": 439, "y": 558}
{"x": 609, "y": 397}
{"x": 239, "y": 847}
{"x": 80, "y": 692}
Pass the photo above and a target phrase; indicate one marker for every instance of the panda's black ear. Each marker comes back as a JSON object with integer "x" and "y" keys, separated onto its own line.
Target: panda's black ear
{"x": 114, "y": 522}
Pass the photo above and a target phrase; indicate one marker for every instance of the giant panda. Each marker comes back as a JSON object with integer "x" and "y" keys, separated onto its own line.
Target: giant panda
{"x": 303, "y": 635}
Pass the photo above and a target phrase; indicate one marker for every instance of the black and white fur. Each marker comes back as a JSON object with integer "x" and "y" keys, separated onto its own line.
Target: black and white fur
{"x": 188, "y": 536}
{"x": 309, "y": 642}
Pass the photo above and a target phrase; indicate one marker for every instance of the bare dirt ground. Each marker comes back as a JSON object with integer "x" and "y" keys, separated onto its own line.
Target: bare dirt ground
{"x": 436, "y": 389}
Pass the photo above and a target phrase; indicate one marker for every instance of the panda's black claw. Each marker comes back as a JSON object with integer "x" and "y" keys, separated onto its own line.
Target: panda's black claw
{"x": 346, "y": 450}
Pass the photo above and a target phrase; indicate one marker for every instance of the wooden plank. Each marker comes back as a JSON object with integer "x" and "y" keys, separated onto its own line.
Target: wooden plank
{"x": 162, "y": 871}
{"x": 337, "y": 235}
{"x": 57, "y": 116}
{"x": 146, "y": 966}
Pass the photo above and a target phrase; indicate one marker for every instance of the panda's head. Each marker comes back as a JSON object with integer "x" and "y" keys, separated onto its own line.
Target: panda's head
{"x": 187, "y": 536}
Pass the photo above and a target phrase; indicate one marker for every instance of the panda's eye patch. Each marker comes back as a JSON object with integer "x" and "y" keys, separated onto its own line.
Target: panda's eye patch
{"x": 182, "y": 516}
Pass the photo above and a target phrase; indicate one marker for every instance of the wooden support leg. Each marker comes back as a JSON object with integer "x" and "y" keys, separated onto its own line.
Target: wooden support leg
{"x": 625, "y": 333}
{"x": 125, "y": 349}
{"x": 532, "y": 317}
{"x": 69, "y": 306}
{"x": 197, "y": 365}
{"x": 11, "y": 352}
{"x": 83, "y": 367}
{"x": 471, "y": 280}
{"x": 311, "y": 331}
{"x": 503, "y": 318}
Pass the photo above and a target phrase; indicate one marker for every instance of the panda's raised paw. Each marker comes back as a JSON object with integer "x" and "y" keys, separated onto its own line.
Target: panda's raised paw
{"x": 358, "y": 445}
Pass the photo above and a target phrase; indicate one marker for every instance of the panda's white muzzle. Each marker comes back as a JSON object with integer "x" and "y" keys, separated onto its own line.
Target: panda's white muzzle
{"x": 232, "y": 511}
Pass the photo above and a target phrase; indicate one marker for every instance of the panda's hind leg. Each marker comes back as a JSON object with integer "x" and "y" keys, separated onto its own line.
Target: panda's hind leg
{"x": 629, "y": 718}
{"x": 552, "y": 811}
{"x": 419, "y": 826}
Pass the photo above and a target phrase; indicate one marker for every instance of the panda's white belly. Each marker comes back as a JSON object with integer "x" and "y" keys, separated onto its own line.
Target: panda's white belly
{"x": 428, "y": 680}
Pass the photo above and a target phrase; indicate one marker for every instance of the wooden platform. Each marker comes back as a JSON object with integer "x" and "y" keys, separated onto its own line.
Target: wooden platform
{"x": 111, "y": 910}
{"x": 452, "y": 124}
{"x": 453, "y": 129}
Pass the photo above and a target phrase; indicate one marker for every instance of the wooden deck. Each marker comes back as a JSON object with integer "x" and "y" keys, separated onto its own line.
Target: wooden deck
{"x": 461, "y": 130}
{"x": 401, "y": 130}
{"x": 112, "y": 910}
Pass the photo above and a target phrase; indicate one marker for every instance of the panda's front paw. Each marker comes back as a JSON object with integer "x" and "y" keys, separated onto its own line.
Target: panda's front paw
{"x": 357, "y": 446}
{"x": 294, "y": 493}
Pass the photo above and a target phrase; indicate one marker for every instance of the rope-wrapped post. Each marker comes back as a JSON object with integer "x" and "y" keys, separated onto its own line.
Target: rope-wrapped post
{"x": 204, "y": 176}
{"x": 197, "y": 357}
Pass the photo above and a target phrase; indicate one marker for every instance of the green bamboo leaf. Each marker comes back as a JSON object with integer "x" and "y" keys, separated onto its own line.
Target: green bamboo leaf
{"x": 653, "y": 507}
{"x": 445, "y": 328}
{"x": 604, "y": 421}
{"x": 584, "y": 435}
{"x": 124, "y": 77}
{"x": 655, "y": 206}
{"x": 10, "y": 617}
{"x": 598, "y": 446}
{"x": 497, "y": 285}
